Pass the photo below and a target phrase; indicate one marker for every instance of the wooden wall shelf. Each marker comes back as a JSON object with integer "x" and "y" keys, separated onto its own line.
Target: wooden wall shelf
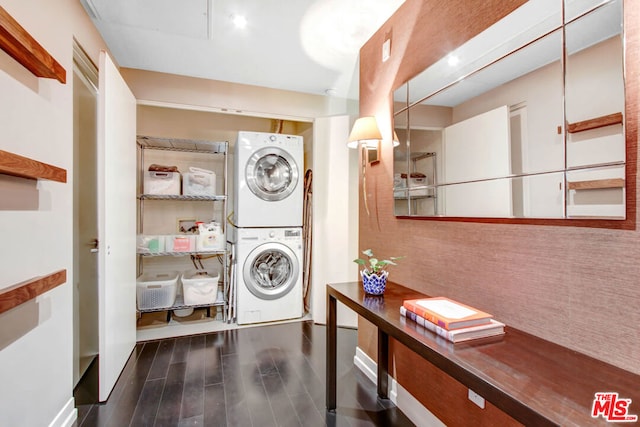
{"x": 13, "y": 164}
{"x": 598, "y": 122}
{"x": 29, "y": 289}
{"x": 19, "y": 44}
{"x": 596, "y": 184}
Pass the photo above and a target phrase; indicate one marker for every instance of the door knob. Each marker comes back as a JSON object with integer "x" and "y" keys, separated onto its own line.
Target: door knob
{"x": 94, "y": 244}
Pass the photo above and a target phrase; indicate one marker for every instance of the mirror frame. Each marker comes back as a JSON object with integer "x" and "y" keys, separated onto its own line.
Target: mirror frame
{"x": 631, "y": 41}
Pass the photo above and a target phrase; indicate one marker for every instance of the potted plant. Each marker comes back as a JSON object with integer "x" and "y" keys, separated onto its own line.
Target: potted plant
{"x": 374, "y": 273}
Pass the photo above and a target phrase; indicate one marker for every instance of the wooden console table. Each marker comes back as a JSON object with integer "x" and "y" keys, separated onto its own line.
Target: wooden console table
{"x": 533, "y": 380}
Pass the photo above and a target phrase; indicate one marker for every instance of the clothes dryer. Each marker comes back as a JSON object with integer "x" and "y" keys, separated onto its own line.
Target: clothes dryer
{"x": 268, "y": 275}
{"x": 268, "y": 180}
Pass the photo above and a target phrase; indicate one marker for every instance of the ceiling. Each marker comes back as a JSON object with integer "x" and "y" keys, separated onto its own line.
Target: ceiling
{"x": 527, "y": 39}
{"x": 308, "y": 46}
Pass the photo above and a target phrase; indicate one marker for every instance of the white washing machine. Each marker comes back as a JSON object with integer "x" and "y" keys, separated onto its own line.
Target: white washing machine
{"x": 268, "y": 180}
{"x": 268, "y": 274}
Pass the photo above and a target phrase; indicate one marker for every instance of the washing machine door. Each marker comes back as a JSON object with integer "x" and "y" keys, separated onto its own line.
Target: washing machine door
{"x": 271, "y": 271}
{"x": 271, "y": 174}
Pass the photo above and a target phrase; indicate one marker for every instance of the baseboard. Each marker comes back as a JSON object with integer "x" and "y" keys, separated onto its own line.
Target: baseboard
{"x": 366, "y": 364}
{"x": 408, "y": 404}
{"x": 67, "y": 415}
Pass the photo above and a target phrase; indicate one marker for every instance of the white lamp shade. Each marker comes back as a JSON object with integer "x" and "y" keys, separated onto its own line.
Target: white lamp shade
{"x": 365, "y": 131}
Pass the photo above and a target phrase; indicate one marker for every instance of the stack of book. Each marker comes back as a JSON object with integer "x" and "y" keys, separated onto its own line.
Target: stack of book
{"x": 450, "y": 319}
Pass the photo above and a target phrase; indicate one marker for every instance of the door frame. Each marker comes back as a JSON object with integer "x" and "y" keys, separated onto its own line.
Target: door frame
{"x": 85, "y": 292}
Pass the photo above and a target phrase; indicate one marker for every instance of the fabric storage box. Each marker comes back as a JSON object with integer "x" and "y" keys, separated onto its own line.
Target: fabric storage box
{"x": 180, "y": 243}
{"x": 149, "y": 244}
{"x": 200, "y": 287}
{"x": 162, "y": 183}
{"x": 199, "y": 182}
{"x": 157, "y": 290}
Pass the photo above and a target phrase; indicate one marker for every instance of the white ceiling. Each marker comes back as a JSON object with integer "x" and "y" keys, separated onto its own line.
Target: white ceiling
{"x": 479, "y": 69}
{"x": 308, "y": 46}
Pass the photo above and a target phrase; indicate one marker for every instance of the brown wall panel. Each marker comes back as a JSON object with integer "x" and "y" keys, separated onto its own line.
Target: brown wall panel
{"x": 574, "y": 286}
{"x": 445, "y": 397}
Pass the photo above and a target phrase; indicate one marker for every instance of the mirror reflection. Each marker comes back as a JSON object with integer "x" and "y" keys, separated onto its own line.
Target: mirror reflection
{"x": 520, "y": 127}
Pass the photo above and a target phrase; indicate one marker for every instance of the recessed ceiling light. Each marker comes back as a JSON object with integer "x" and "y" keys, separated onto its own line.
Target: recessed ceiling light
{"x": 453, "y": 60}
{"x": 239, "y": 21}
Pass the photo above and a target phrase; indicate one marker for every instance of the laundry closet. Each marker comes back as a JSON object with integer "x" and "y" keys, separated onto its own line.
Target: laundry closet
{"x": 178, "y": 220}
{"x": 131, "y": 108}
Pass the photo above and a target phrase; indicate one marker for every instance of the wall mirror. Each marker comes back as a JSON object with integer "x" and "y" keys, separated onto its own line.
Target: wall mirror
{"x": 524, "y": 120}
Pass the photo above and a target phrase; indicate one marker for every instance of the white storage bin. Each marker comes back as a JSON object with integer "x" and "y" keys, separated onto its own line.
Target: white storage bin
{"x": 399, "y": 181}
{"x": 199, "y": 182}
{"x": 183, "y": 312}
{"x": 150, "y": 244}
{"x": 162, "y": 183}
{"x": 200, "y": 287}
{"x": 210, "y": 237}
{"x": 400, "y": 194}
{"x": 180, "y": 243}
{"x": 415, "y": 179}
{"x": 156, "y": 290}
{"x": 420, "y": 192}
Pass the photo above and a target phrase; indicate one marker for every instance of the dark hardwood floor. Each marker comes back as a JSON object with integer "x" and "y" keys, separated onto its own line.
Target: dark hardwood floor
{"x": 252, "y": 377}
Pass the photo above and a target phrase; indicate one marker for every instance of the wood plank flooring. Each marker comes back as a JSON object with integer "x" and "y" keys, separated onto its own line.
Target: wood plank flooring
{"x": 252, "y": 377}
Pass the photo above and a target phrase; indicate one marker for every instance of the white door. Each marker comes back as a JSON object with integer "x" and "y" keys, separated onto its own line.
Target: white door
{"x": 475, "y": 151}
{"x": 117, "y": 224}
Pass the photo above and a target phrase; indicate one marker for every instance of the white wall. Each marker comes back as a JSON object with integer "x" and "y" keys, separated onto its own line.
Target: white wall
{"x": 601, "y": 63}
{"x": 151, "y": 88}
{"x": 335, "y": 215}
{"x": 36, "y": 121}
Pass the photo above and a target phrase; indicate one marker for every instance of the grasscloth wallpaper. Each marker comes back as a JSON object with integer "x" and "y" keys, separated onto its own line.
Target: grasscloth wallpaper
{"x": 576, "y": 286}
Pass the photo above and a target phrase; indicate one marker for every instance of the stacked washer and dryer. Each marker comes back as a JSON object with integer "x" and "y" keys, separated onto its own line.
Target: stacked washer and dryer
{"x": 267, "y": 241}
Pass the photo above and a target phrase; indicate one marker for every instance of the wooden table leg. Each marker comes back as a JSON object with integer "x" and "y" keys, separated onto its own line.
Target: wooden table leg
{"x": 331, "y": 353}
{"x": 383, "y": 364}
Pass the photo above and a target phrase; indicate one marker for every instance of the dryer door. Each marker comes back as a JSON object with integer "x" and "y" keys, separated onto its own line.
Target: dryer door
{"x": 272, "y": 174}
{"x": 271, "y": 271}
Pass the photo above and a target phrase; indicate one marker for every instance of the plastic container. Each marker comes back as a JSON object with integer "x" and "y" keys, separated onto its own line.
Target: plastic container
{"x": 180, "y": 243}
{"x": 210, "y": 237}
{"x": 400, "y": 194}
{"x": 199, "y": 182}
{"x": 183, "y": 312}
{"x": 162, "y": 183}
{"x": 399, "y": 181}
{"x": 416, "y": 181}
{"x": 157, "y": 290}
{"x": 149, "y": 244}
{"x": 200, "y": 287}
